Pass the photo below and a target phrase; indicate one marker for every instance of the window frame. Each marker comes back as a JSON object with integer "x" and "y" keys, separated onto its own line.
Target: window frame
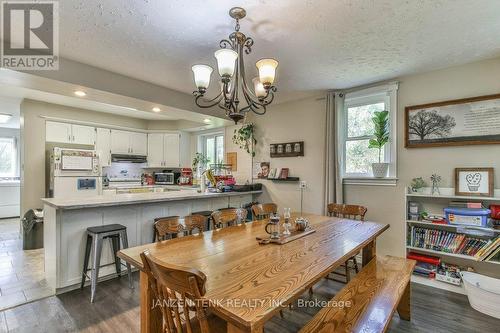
{"x": 203, "y": 138}
{"x": 15, "y": 157}
{"x": 388, "y": 94}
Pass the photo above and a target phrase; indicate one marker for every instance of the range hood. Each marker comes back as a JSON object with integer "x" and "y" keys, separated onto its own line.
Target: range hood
{"x": 129, "y": 158}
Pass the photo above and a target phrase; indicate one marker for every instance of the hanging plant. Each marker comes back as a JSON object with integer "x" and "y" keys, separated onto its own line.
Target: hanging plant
{"x": 244, "y": 138}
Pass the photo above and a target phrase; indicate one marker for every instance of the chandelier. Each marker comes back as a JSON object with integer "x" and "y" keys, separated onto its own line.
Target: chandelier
{"x": 235, "y": 96}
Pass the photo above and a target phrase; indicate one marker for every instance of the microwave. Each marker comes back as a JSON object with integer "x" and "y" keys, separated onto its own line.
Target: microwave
{"x": 165, "y": 178}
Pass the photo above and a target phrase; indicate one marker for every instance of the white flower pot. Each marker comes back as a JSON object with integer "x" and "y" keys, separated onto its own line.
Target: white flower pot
{"x": 380, "y": 169}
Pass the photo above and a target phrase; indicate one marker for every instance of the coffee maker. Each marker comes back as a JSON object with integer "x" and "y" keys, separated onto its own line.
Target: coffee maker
{"x": 186, "y": 177}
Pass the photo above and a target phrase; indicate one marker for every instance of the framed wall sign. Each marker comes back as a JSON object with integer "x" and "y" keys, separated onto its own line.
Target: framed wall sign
{"x": 289, "y": 149}
{"x": 469, "y": 121}
{"x": 474, "y": 181}
{"x": 232, "y": 158}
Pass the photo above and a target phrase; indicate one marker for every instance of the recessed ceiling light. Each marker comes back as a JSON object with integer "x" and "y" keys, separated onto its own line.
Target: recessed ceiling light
{"x": 156, "y": 109}
{"x": 206, "y": 120}
{"x": 80, "y": 93}
{"x": 5, "y": 117}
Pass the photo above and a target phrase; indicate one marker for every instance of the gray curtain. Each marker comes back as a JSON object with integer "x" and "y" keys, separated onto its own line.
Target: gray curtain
{"x": 333, "y": 181}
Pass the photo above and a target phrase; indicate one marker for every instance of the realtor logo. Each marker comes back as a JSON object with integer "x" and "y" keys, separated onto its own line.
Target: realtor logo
{"x": 30, "y": 35}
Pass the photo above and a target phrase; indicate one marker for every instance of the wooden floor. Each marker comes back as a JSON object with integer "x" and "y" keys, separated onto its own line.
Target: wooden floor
{"x": 117, "y": 310}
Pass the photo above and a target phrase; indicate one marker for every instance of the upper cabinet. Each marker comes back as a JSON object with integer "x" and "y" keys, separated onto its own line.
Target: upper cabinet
{"x": 131, "y": 143}
{"x": 103, "y": 146}
{"x": 164, "y": 150}
{"x": 69, "y": 133}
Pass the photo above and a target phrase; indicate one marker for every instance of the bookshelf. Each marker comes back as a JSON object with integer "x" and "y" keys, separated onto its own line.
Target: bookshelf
{"x": 434, "y": 204}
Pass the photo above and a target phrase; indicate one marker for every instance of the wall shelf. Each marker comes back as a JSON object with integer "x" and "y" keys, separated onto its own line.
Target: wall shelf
{"x": 453, "y": 226}
{"x": 289, "y": 179}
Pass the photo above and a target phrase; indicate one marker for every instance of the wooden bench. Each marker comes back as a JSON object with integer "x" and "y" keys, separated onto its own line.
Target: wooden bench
{"x": 367, "y": 303}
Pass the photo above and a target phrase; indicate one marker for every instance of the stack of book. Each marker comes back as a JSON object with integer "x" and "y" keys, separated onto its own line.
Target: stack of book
{"x": 446, "y": 241}
{"x": 489, "y": 251}
{"x": 426, "y": 265}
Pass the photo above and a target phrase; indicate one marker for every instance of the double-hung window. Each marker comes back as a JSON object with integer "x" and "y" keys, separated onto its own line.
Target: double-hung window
{"x": 213, "y": 147}
{"x": 356, "y": 129}
{"x": 8, "y": 157}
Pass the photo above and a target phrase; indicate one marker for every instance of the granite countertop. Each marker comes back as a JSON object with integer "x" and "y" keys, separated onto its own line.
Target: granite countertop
{"x": 135, "y": 198}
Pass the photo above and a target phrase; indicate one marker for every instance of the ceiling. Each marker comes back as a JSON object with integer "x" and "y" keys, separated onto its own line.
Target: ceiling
{"x": 321, "y": 44}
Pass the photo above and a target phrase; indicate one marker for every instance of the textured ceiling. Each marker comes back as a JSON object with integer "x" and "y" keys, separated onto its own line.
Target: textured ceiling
{"x": 321, "y": 44}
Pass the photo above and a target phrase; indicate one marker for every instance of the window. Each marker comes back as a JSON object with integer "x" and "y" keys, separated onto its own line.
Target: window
{"x": 8, "y": 157}
{"x": 356, "y": 130}
{"x": 213, "y": 147}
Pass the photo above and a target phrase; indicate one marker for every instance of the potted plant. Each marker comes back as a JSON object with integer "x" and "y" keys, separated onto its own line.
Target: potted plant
{"x": 199, "y": 162}
{"x": 380, "y": 121}
{"x": 244, "y": 138}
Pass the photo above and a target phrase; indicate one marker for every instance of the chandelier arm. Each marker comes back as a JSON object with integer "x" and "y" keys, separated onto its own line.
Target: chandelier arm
{"x": 207, "y": 103}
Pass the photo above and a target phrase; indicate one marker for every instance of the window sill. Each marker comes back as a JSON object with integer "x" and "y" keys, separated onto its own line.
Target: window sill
{"x": 370, "y": 181}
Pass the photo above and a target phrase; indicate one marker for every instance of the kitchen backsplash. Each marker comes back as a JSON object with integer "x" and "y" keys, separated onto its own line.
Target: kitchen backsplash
{"x": 123, "y": 170}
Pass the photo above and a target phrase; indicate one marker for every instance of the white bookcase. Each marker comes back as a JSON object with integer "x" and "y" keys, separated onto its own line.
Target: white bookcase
{"x": 434, "y": 204}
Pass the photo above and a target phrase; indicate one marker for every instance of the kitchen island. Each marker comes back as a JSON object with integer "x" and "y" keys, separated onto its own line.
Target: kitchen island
{"x": 66, "y": 222}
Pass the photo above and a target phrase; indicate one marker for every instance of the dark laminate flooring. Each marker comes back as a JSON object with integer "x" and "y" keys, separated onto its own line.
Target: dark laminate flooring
{"x": 117, "y": 310}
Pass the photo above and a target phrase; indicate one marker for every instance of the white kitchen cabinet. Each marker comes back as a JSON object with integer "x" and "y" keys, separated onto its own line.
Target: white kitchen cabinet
{"x": 163, "y": 150}
{"x": 139, "y": 143}
{"x": 69, "y": 133}
{"x": 103, "y": 146}
{"x": 83, "y": 135}
{"x": 124, "y": 142}
{"x": 172, "y": 150}
{"x": 156, "y": 157}
{"x": 57, "y": 132}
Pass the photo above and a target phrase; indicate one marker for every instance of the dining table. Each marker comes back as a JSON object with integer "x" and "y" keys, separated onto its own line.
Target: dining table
{"x": 248, "y": 283}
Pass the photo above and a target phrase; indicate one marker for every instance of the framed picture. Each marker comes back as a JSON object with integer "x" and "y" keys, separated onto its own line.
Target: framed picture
{"x": 453, "y": 123}
{"x": 474, "y": 181}
{"x": 261, "y": 170}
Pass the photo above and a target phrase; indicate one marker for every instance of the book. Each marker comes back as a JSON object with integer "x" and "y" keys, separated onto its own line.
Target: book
{"x": 423, "y": 258}
{"x": 284, "y": 173}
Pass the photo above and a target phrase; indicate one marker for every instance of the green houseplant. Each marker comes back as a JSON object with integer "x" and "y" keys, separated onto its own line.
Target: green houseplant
{"x": 244, "y": 138}
{"x": 200, "y": 162}
{"x": 380, "y": 138}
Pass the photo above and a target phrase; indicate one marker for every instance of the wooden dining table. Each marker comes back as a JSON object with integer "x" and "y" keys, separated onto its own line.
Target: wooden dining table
{"x": 247, "y": 283}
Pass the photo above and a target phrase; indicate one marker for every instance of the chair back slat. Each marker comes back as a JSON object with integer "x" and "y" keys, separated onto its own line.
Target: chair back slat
{"x": 194, "y": 222}
{"x": 263, "y": 211}
{"x": 353, "y": 212}
{"x": 167, "y": 227}
{"x": 227, "y": 217}
{"x": 179, "y": 291}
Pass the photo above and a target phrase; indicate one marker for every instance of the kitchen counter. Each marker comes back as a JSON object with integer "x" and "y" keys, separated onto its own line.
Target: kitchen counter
{"x": 66, "y": 222}
{"x": 135, "y": 198}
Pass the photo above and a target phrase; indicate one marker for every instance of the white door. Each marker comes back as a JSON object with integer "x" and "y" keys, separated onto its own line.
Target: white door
{"x": 83, "y": 135}
{"x": 172, "y": 153}
{"x": 139, "y": 143}
{"x": 120, "y": 142}
{"x": 57, "y": 132}
{"x": 103, "y": 146}
{"x": 155, "y": 150}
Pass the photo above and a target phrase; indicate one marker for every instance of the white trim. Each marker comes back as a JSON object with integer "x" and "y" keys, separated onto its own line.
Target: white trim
{"x": 371, "y": 181}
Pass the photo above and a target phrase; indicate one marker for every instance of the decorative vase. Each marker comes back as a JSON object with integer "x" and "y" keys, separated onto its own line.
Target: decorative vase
{"x": 380, "y": 169}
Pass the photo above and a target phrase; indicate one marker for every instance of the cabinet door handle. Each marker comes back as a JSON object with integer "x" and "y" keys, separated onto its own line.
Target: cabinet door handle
{"x": 73, "y": 138}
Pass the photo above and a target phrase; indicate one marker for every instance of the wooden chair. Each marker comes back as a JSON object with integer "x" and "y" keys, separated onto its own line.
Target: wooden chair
{"x": 194, "y": 222}
{"x": 167, "y": 228}
{"x": 227, "y": 217}
{"x": 179, "y": 292}
{"x": 352, "y": 212}
{"x": 263, "y": 211}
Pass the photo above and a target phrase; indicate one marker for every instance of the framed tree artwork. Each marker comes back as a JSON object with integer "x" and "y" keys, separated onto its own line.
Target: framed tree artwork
{"x": 469, "y": 121}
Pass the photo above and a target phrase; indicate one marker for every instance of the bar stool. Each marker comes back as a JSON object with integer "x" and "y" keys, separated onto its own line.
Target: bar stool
{"x": 95, "y": 237}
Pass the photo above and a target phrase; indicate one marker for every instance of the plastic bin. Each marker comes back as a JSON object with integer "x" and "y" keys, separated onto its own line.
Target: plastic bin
{"x": 32, "y": 223}
{"x": 483, "y": 293}
{"x": 467, "y": 216}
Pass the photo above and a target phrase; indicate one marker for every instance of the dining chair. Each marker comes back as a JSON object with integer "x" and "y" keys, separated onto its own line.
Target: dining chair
{"x": 262, "y": 211}
{"x": 167, "y": 228}
{"x": 179, "y": 292}
{"x": 352, "y": 212}
{"x": 194, "y": 222}
{"x": 227, "y": 217}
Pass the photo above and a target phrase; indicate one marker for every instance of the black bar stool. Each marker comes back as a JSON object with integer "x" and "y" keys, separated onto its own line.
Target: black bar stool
{"x": 95, "y": 237}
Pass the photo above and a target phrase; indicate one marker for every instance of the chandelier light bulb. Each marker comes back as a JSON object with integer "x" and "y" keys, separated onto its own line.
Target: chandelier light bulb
{"x": 202, "y": 75}
{"x": 267, "y": 71}
{"x": 226, "y": 61}
{"x": 258, "y": 88}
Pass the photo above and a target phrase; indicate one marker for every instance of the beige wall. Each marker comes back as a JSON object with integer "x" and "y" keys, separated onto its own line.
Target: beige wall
{"x": 33, "y": 142}
{"x": 386, "y": 204}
